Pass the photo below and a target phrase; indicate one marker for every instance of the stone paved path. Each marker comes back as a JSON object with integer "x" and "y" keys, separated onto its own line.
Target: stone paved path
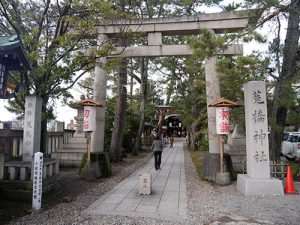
{"x": 167, "y": 201}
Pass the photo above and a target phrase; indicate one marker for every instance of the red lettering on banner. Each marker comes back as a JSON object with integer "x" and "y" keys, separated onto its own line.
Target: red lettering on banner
{"x": 224, "y": 127}
{"x": 224, "y": 114}
{"x": 86, "y": 125}
{"x": 86, "y": 113}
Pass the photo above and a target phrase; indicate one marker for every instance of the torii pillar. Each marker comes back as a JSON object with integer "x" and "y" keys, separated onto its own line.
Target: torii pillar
{"x": 212, "y": 95}
{"x": 211, "y": 159}
{"x": 97, "y": 139}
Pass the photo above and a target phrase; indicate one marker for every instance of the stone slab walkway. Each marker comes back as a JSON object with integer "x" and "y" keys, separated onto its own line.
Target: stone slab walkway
{"x": 167, "y": 201}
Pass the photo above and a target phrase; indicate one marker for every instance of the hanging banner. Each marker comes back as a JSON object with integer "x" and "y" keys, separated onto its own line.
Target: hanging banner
{"x": 89, "y": 118}
{"x": 222, "y": 120}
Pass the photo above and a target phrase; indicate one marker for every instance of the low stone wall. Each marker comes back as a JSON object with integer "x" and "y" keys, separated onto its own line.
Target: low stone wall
{"x": 23, "y": 171}
{"x": 16, "y": 178}
{"x": 11, "y": 142}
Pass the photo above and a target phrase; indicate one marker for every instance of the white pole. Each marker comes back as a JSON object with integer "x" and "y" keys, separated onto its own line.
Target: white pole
{"x": 37, "y": 187}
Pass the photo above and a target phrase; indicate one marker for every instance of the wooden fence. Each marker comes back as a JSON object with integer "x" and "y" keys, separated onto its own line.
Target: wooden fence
{"x": 277, "y": 169}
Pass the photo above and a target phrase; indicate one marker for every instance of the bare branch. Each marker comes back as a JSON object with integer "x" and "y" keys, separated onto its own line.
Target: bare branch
{"x": 86, "y": 87}
{"x": 71, "y": 48}
{"x": 41, "y": 22}
{"x": 4, "y": 29}
{"x": 270, "y": 72}
{"x": 7, "y": 17}
{"x": 130, "y": 73}
{"x": 278, "y": 45}
{"x": 273, "y": 14}
{"x": 74, "y": 82}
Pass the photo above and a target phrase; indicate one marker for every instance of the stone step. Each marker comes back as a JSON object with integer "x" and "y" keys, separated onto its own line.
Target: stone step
{"x": 237, "y": 148}
{"x": 77, "y": 140}
{"x": 70, "y": 159}
{"x": 74, "y": 145}
{"x": 237, "y": 142}
{"x": 72, "y": 150}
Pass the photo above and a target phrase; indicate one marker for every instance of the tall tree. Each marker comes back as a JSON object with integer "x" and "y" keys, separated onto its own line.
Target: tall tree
{"x": 285, "y": 60}
{"x": 117, "y": 134}
{"x": 288, "y": 71}
{"x": 144, "y": 77}
{"x": 51, "y": 32}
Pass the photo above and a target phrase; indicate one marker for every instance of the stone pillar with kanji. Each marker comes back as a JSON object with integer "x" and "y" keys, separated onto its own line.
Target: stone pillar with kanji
{"x": 258, "y": 180}
{"x": 32, "y": 127}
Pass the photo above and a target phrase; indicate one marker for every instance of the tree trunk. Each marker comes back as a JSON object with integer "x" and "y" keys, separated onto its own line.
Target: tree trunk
{"x": 117, "y": 134}
{"x": 279, "y": 110}
{"x": 43, "y": 145}
{"x": 131, "y": 81}
{"x": 144, "y": 81}
{"x": 170, "y": 89}
{"x": 194, "y": 127}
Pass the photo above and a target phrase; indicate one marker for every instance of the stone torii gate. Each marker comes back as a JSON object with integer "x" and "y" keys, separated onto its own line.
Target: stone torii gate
{"x": 154, "y": 30}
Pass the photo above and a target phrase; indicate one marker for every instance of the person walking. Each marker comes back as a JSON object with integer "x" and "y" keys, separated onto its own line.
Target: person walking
{"x": 171, "y": 141}
{"x": 157, "y": 148}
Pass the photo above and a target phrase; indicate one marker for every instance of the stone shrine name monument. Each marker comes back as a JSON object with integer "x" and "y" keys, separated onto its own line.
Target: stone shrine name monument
{"x": 32, "y": 127}
{"x": 258, "y": 180}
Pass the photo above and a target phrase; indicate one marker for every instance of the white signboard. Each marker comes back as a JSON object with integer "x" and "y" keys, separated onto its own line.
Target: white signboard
{"x": 37, "y": 181}
{"x": 89, "y": 122}
{"x": 222, "y": 120}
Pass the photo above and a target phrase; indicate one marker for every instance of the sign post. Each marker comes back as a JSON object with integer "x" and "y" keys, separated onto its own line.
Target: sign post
{"x": 89, "y": 125}
{"x": 222, "y": 128}
{"x": 90, "y": 171}
{"x": 37, "y": 188}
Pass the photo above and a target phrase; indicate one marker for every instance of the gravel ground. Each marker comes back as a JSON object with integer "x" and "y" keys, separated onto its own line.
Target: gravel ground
{"x": 207, "y": 204}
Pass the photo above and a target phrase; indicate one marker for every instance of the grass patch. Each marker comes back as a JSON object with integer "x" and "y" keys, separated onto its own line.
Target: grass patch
{"x": 197, "y": 159}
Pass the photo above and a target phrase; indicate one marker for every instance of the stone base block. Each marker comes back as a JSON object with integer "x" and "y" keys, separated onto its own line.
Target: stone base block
{"x": 88, "y": 173}
{"x": 211, "y": 165}
{"x": 251, "y": 187}
{"x": 145, "y": 184}
{"x": 223, "y": 178}
{"x": 100, "y": 164}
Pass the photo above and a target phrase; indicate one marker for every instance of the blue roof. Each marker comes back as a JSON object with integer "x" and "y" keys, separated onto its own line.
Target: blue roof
{"x": 9, "y": 42}
{"x": 12, "y": 53}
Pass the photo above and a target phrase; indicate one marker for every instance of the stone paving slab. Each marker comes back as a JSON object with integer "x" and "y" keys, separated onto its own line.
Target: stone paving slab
{"x": 168, "y": 199}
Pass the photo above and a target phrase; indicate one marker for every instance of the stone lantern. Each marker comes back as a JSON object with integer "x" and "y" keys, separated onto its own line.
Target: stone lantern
{"x": 79, "y": 118}
{"x": 91, "y": 170}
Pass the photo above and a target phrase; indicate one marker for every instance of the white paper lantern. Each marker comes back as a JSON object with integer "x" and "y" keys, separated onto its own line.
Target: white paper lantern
{"x": 89, "y": 118}
{"x": 222, "y": 120}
